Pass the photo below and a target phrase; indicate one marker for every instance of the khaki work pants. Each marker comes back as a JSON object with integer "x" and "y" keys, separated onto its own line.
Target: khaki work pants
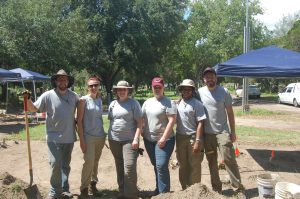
{"x": 189, "y": 162}
{"x": 126, "y": 162}
{"x": 91, "y": 160}
{"x": 222, "y": 141}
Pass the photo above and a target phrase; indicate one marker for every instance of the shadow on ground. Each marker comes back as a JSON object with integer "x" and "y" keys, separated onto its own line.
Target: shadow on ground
{"x": 282, "y": 161}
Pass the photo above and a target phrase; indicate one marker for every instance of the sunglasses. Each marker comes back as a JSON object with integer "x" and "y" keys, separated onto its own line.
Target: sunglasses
{"x": 93, "y": 86}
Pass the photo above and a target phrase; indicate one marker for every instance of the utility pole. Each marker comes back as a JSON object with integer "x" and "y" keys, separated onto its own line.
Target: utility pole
{"x": 245, "y": 101}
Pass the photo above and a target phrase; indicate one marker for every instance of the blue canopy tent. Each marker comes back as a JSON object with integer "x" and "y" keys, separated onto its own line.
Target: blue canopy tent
{"x": 8, "y": 75}
{"x": 27, "y": 75}
{"x": 4, "y": 74}
{"x": 270, "y": 61}
{"x": 30, "y": 75}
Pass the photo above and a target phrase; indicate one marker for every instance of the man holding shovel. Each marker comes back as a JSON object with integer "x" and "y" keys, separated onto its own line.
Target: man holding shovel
{"x": 59, "y": 104}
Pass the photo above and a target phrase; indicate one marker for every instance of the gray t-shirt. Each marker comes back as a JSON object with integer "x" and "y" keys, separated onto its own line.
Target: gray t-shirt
{"x": 215, "y": 103}
{"x": 189, "y": 113}
{"x": 155, "y": 114}
{"x": 123, "y": 118}
{"x": 92, "y": 118}
{"x": 60, "y": 120}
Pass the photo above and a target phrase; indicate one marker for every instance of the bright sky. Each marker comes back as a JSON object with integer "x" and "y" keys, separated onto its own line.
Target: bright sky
{"x": 275, "y": 9}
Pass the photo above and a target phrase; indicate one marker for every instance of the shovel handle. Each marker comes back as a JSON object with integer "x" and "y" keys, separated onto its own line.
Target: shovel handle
{"x": 28, "y": 139}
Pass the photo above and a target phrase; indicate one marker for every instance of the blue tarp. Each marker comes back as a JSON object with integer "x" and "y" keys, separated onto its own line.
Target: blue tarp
{"x": 30, "y": 75}
{"x": 8, "y": 74}
{"x": 270, "y": 61}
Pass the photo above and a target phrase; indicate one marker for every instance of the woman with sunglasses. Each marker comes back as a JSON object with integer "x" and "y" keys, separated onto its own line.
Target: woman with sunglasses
{"x": 125, "y": 127}
{"x": 91, "y": 135}
{"x": 159, "y": 115}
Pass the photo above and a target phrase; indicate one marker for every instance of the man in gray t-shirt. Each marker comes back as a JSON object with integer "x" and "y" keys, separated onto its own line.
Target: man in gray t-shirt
{"x": 218, "y": 107}
{"x": 60, "y": 105}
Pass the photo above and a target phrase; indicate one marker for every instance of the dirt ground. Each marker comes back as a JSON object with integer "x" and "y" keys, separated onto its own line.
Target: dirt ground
{"x": 253, "y": 160}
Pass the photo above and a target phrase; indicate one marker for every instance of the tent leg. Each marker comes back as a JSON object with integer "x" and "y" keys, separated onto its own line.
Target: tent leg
{"x": 6, "y": 97}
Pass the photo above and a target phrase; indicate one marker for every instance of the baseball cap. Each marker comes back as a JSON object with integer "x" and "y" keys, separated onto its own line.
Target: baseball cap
{"x": 209, "y": 70}
{"x": 157, "y": 81}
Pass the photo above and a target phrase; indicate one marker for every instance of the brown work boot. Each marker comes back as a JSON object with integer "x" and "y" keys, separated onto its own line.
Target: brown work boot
{"x": 84, "y": 193}
{"x": 93, "y": 189}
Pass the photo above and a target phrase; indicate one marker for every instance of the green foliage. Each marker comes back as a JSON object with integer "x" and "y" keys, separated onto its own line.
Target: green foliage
{"x": 16, "y": 188}
{"x": 214, "y": 34}
{"x": 293, "y": 37}
{"x": 36, "y": 36}
{"x": 129, "y": 36}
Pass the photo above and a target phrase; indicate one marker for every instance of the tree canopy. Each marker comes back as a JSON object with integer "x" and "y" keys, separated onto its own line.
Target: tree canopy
{"x": 130, "y": 39}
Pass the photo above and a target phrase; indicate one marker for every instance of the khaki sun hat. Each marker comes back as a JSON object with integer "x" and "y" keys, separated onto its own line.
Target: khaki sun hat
{"x": 186, "y": 82}
{"x": 61, "y": 72}
{"x": 122, "y": 84}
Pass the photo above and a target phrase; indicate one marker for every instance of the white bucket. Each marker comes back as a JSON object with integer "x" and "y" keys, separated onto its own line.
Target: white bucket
{"x": 287, "y": 190}
{"x": 266, "y": 184}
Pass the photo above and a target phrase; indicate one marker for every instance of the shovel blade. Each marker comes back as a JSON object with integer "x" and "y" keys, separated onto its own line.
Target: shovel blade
{"x": 33, "y": 192}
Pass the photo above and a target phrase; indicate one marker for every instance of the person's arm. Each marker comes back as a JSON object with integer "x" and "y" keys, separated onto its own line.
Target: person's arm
{"x": 168, "y": 131}
{"x": 30, "y": 105}
{"x": 136, "y": 139}
{"x": 199, "y": 136}
{"x": 231, "y": 120}
{"x": 80, "y": 113}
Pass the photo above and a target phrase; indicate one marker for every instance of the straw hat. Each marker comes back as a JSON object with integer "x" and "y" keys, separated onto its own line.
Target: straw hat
{"x": 61, "y": 72}
{"x": 186, "y": 82}
{"x": 122, "y": 84}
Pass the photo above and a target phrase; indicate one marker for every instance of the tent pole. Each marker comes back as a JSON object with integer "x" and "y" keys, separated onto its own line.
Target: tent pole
{"x": 245, "y": 103}
{"x": 6, "y": 97}
{"x": 34, "y": 91}
{"x": 33, "y": 82}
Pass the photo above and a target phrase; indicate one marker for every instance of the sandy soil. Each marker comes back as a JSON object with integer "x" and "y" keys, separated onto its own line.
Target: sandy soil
{"x": 253, "y": 160}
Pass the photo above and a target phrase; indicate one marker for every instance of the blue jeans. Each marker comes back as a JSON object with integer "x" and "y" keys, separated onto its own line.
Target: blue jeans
{"x": 59, "y": 159}
{"x": 160, "y": 160}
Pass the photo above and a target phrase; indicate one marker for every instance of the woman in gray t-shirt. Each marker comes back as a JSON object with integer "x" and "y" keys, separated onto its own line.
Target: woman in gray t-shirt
{"x": 91, "y": 135}
{"x": 159, "y": 115}
{"x": 124, "y": 130}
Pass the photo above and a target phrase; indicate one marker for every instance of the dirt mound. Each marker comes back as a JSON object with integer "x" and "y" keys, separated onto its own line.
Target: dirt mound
{"x": 196, "y": 191}
{"x": 11, "y": 187}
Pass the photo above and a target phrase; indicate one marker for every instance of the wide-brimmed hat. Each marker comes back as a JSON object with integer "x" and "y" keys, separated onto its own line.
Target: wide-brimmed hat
{"x": 122, "y": 84}
{"x": 186, "y": 82}
{"x": 209, "y": 70}
{"x": 157, "y": 81}
{"x": 61, "y": 72}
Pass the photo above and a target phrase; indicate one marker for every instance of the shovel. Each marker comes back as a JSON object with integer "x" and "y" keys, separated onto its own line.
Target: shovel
{"x": 32, "y": 192}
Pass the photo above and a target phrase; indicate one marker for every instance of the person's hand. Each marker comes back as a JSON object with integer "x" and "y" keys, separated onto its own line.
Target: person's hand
{"x": 135, "y": 144}
{"x": 162, "y": 142}
{"x": 233, "y": 137}
{"x": 26, "y": 94}
{"x": 196, "y": 147}
{"x": 83, "y": 146}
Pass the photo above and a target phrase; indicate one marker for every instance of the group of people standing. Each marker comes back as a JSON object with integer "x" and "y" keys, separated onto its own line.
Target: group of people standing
{"x": 201, "y": 118}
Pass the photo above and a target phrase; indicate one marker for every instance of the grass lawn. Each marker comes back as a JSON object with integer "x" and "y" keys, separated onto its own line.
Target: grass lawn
{"x": 245, "y": 133}
{"x": 257, "y": 112}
